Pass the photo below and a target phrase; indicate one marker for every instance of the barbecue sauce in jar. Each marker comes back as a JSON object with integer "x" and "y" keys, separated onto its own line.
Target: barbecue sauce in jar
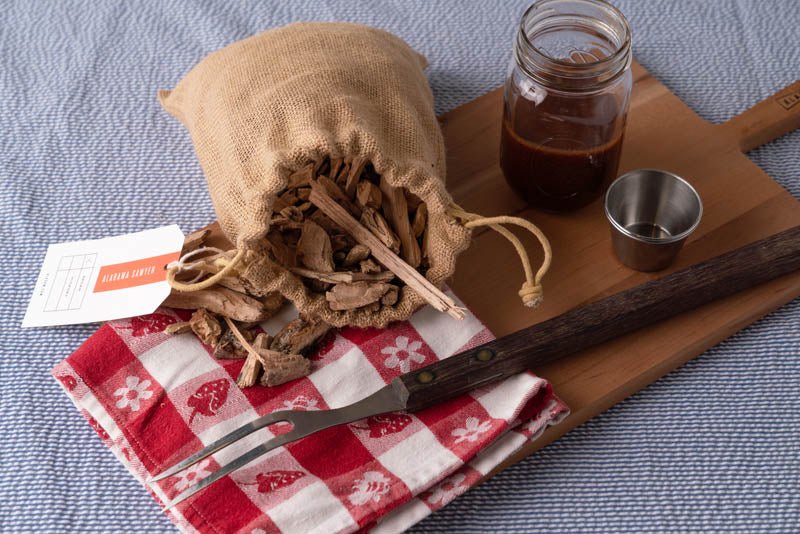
{"x": 565, "y": 103}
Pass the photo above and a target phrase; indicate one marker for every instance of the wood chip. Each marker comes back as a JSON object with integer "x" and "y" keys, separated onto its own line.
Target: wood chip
{"x": 336, "y": 164}
{"x": 262, "y": 341}
{"x": 178, "y": 328}
{"x": 230, "y": 348}
{"x": 251, "y": 369}
{"x": 194, "y": 240}
{"x": 420, "y": 220}
{"x": 273, "y": 302}
{"x": 314, "y": 248}
{"x": 234, "y": 283}
{"x": 288, "y": 198}
{"x": 221, "y": 301}
{"x": 336, "y": 193}
{"x": 357, "y": 254}
{"x": 303, "y": 193}
{"x": 206, "y": 327}
{"x": 343, "y": 276}
{"x": 430, "y": 293}
{"x": 301, "y": 177}
{"x": 391, "y": 296}
{"x": 368, "y": 195}
{"x": 396, "y": 210}
{"x": 370, "y": 266}
{"x": 343, "y": 173}
{"x": 356, "y": 167}
{"x": 351, "y": 296}
{"x": 280, "y": 368}
{"x": 283, "y": 253}
{"x": 291, "y": 213}
{"x": 299, "y": 336}
{"x": 376, "y": 224}
{"x": 321, "y": 164}
{"x": 326, "y": 223}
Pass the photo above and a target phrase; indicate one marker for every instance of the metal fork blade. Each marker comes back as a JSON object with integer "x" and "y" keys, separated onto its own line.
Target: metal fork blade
{"x": 387, "y": 399}
{"x": 241, "y": 461}
{"x": 224, "y": 441}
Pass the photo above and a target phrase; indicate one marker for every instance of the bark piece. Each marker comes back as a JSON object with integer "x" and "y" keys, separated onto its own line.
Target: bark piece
{"x": 343, "y": 277}
{"x": 314, "y": 248}
{"x": 234, "y": 283}
{"x": 343, "y": 172}
{"x": 368, "y": 195}
{"x": 301, "y": 177}
{"x": 221, "y": 301}
{"x": 356, "y": 167}
{"x": 299, "y": 336}
{"x": 280, "y": 368}
{"x": 420, "y": 220}
{"x": 376, "y": 224}
{"x": 396, "y": 210}
{"x": 248, "y": 376}
{"x": 325, "y": 222}
{"x": 355, "y": 295}
{"x": 273, "y": 302}
{"x": 283, "y": 253}
{"x": 391, "y": 296}
{"x": 422, "y": 286}
{"x": 287, "y": 198}
{"x": 370, "y": 266}
{"x": 194, "y": 240}
{"x": 206, "y": 327}
{"x": 178, "y": 328}
{"x": 336, "y": 193}
{"x": 262, "y": 341}
{"x": 336, "y": 164}
{"x": 289, "y": 214}
{"x": 230, "y": 348}
{"x": 357, "y": 254}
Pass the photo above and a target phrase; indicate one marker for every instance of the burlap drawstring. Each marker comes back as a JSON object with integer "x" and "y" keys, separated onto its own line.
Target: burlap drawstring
{"x": 175, "y": 268}
{"x": 531, "y": 290}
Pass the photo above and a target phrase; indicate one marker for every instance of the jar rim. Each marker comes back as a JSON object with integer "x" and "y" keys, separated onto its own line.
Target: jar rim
{"x": 620, "y": 58}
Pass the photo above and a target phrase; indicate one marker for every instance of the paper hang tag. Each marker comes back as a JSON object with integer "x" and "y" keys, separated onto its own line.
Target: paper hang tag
{"x": 104, "y": 279}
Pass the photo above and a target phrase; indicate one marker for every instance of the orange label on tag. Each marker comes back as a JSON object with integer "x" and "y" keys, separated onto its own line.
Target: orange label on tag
{"x": 134, "y": 273}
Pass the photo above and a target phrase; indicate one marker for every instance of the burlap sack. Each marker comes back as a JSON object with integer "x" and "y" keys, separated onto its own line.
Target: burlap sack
{"x": 261, "y": 108}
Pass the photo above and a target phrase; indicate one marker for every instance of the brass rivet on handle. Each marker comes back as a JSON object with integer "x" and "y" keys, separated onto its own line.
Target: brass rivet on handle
{"x": 484, "y": 355}
{"x": 425, "y": 377}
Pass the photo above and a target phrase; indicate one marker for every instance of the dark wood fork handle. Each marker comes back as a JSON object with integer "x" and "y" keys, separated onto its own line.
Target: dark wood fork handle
{"x": 605, "y": 319}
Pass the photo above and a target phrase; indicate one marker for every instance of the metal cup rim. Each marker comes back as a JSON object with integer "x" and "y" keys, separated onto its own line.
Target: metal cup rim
{"x": 654, "y": 240}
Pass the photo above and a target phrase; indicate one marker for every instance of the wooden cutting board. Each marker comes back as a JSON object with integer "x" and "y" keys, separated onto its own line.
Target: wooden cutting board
{"x": 742, "y": 204}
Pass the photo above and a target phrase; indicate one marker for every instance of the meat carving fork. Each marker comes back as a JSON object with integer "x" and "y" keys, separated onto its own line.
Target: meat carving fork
{"x": 529, "y": 348}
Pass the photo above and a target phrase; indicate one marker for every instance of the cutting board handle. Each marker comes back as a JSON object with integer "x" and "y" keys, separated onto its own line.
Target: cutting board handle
{"x": 605, "y": 319}
{"x": 771, "y": 118}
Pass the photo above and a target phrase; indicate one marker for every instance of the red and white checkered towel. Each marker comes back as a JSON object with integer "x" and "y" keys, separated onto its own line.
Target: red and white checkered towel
{"x": 155, "y": 398}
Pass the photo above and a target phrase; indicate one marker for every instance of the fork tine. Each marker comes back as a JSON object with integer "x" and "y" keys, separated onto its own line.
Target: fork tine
{"x": 241, "y": 461}
{"x": 224, "y": 441}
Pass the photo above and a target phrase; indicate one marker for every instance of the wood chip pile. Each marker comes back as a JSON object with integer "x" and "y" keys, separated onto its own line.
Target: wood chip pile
{"x": 346, "y": 233}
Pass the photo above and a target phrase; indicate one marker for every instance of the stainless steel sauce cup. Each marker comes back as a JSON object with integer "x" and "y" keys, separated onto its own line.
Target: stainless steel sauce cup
{"x": 651, "y": 212}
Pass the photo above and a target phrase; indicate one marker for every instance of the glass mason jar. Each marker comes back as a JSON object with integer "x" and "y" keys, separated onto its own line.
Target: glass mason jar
{"x": 565, "y": 103}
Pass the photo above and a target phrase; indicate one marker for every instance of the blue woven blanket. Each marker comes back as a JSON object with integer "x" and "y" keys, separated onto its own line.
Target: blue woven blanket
{"x": 86, "y": 152}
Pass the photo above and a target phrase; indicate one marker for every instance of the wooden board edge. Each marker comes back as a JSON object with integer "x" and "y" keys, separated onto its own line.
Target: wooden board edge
{"x": 625, "y": 390}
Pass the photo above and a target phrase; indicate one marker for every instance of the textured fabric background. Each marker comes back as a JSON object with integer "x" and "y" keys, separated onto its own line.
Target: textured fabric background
{"x": 86, "y": 152}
